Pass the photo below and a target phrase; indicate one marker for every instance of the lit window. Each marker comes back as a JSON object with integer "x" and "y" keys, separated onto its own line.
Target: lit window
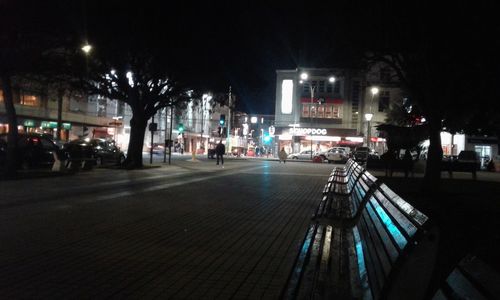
{"x": 286, "y": 96}
{"x": 1, "y": 96}
{"x": 29, "y": 100}
{"x": 321, "y": 111}
{"x": 305, "y": 110}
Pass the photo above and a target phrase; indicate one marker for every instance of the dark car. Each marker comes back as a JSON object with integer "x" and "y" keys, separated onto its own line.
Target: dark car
{"x": 33, "y": 151}
{"x": 104, "y": 151}
{"x": 361, "y": 154}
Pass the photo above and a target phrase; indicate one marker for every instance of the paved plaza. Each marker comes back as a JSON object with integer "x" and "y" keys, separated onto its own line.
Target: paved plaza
{"x": 187, "y": 231}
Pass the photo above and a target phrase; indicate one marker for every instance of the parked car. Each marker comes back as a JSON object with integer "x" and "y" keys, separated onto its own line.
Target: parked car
{"x": 304, "y": 154}
{"x": 104, "y": 151}
{"x": 34, "y": 151}
{"x": 469, "y": 157}
{"x": 335, "y": 154}
{"x": 361, "y": 154}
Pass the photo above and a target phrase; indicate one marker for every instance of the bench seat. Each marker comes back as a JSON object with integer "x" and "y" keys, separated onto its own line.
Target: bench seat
{"x": 386, "y": 252}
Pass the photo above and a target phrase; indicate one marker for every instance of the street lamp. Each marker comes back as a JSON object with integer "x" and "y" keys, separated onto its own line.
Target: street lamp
{"x": 303, "y": 77}
{"x": 368, "y": 116}
{"x": 86, "y": 48}
{"x": 205, "y": 98}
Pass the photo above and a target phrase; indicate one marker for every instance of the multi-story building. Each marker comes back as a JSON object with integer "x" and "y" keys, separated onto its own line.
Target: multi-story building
{"x": 81, "y": 115}
{"x": 318, "y": 108}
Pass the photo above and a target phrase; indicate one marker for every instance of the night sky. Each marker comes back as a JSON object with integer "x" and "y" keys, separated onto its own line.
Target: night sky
{"x": 214, "y": 44}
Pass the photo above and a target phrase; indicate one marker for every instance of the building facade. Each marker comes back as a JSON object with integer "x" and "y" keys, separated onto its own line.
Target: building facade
{"x": 82, "y": 116}
{"x": 319, "y": 108}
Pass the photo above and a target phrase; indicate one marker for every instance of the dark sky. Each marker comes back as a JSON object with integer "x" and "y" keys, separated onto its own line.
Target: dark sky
{"x": 218, "y": 44}
{"x": 215, "y": 44}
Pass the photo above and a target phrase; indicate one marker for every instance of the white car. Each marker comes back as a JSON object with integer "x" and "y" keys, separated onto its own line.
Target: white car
{"x": 335, "y": 154}
{"x": 304, "y": 154}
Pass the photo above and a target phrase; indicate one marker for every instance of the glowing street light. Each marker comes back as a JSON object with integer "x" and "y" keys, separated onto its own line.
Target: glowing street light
{"x": 368, "y": 116}
{"x": 87, "y": 48}
{"x": 331, "y": 79}
{"x": 304, "y": 76}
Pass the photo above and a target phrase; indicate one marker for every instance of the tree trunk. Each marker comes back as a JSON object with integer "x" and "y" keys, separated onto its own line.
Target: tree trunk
{"x": 60, "y": 95}
{"x": 11, "y": 165}
{"x": 432, "y": 179}
{"x": 138, "y": 125}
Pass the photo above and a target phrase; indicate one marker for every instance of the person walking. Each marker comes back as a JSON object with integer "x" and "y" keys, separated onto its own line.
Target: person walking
{"x": 282, "y": 155}
{"x": 220, "y": 149}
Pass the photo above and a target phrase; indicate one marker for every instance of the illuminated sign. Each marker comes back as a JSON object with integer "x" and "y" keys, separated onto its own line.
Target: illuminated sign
{"x": 308, "y": 131}
{"x": 286, "y": 96}
{"x": 29, "y": 123}
{"x": 51, "y": 124}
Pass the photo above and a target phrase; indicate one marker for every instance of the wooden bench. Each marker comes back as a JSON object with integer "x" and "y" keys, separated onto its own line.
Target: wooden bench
{"x": 346, "y": 205}
{"x": 471, "y": 279}
{"x": 340, "y": 175}
{"x": 386, "y": 252}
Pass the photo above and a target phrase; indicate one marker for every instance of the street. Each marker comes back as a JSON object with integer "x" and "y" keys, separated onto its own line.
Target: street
{"x": 189, "y": 230}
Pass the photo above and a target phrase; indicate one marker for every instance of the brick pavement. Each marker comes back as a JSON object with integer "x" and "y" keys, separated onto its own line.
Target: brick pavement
{"x": 222, "y": 237}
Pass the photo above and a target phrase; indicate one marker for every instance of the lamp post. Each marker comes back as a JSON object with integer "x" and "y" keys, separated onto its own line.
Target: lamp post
{"x": 369, "y": 116}
{"x": 204, "y": 99}
{"x": 304, "y": 76}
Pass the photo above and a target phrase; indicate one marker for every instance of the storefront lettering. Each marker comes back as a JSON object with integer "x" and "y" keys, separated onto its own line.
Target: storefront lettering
{"x": 308, "y": 131}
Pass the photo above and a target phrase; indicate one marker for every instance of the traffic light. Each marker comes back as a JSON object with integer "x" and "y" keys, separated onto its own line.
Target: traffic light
{"x": 180, "y": 127}
{"x": 267, "y": 138}
{"x": 222, "y": 120}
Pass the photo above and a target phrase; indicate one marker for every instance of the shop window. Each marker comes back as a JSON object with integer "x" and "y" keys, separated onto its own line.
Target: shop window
{"x": 305, "y": 110}
{"x": 321, "y": 111}
{"x": 328, "y": 111}
{"x": 30, "y": 100}
{"x": 313, "y": 111}
{"x": 336, "y": 112}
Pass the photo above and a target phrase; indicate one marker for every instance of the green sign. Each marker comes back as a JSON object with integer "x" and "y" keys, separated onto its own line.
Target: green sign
{"x": 29, "y": 123}
{"x": 51, "y": 124}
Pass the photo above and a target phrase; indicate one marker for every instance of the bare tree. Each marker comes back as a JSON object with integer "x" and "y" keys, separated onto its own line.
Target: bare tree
{"x": 138, "y": 80}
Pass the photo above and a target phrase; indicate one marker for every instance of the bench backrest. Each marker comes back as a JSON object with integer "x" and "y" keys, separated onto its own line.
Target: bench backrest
{"x": 387, "y": 228}
{"x": 385, "y": 253}
{"x": 346, "y": 206}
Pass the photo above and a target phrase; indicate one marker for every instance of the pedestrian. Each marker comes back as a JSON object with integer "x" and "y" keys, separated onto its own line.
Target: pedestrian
{"x": 408, "y": 163}
{"x": 220, "y": 149}
{"x": 282, "y": 155}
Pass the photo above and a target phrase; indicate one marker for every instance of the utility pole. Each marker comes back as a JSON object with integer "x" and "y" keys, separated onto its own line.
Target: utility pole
{"x": 228, "y": 143}
{"x": 170, "y": 135}
{"x": 165, "y": 137}
{"x": 151, "y": 128}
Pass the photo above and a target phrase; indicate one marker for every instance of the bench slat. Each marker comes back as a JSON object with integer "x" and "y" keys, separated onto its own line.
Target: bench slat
{"x": 409, "y": 210}
{"x": 408, "y": 228}
{"x": 388, "y": 246}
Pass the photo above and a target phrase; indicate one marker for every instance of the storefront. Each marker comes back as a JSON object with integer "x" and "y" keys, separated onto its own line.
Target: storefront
{"x": 297, "y": 139}
{"x": 39, "y": 126}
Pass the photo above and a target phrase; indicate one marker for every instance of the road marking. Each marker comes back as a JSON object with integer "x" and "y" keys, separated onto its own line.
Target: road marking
{"x": 172, "y": 184}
